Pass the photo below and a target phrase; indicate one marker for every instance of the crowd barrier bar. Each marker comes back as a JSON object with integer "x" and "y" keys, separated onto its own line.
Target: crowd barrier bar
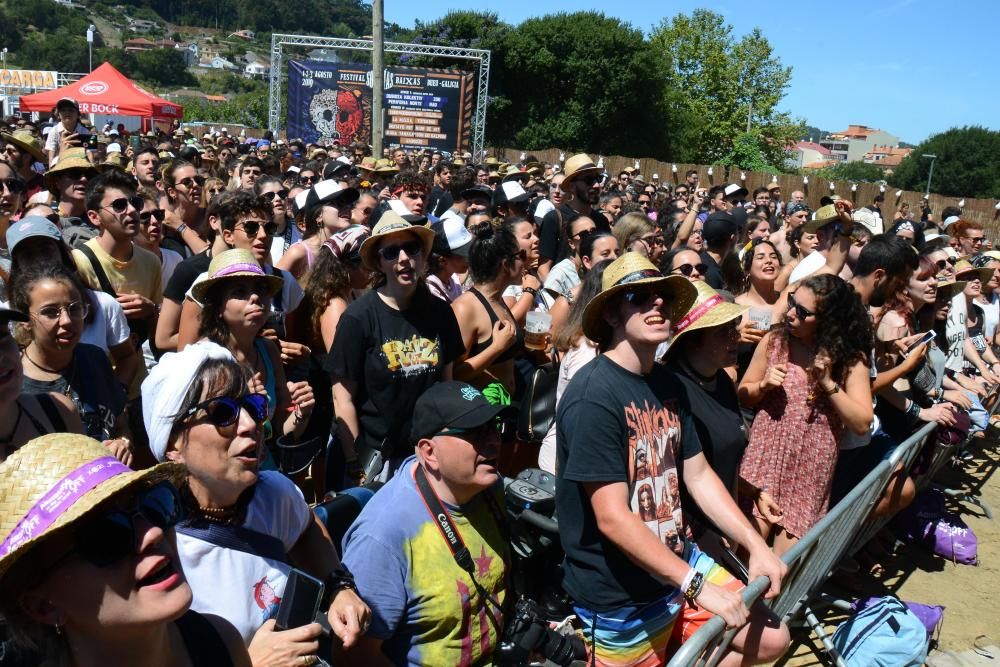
{"x": 810, "y": 562}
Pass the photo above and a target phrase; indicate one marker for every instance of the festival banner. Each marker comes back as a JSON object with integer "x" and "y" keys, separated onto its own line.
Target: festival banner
{"x": 424, "y": 108}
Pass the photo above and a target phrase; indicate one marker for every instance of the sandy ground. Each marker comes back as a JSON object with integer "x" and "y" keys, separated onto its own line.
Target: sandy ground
{"x": 971, "y": 594}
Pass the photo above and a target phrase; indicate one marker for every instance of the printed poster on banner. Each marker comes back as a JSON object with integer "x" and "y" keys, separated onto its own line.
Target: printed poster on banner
{"x": 424, "y": 108}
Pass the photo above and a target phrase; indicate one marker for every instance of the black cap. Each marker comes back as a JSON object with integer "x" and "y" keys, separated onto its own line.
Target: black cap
{"x": 452, "y": 405}
{"x": 9, "y": 315}
{"x": 718, "y": 227}
{"x": 478, "y": 192}
{"x": 739, "y": 215}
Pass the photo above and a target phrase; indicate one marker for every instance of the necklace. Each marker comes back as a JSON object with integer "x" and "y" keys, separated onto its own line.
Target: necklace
{"x": 696, "y": 376}
{"x": 17, "y": 422}
{"x": 43, "y": 368}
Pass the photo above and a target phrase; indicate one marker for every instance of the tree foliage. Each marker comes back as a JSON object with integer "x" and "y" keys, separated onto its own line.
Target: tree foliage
{"x": 323, "y": 17}
{"x": 248, "y": 109}
{"x": 967, "y": 164}
{"x": 748, "y": 154}
{"x": 853, "y": 171}
{"x": 716, "y": 82}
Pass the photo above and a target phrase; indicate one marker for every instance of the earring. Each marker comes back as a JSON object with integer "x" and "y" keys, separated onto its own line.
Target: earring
{"x": 58, "y": 629}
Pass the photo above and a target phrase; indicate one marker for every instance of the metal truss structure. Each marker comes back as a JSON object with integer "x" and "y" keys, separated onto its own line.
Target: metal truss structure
{"x": 279, "y": 41}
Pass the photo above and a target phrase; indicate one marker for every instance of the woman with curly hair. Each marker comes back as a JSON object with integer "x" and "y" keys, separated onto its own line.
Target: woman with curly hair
{"x": 808, "y": 381}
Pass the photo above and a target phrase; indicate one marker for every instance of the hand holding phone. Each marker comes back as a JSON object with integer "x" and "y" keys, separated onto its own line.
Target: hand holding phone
{"x": 300, "y": 601}
{"x": 927, "y": 337}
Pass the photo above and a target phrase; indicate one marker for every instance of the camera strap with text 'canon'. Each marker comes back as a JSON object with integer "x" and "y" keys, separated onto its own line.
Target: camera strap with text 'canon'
{"x": 439, "y": 513}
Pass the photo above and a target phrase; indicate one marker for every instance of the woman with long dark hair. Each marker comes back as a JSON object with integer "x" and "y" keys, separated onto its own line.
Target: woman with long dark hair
{"x": 808, "y": 381}
{"x": 594, "y": 248}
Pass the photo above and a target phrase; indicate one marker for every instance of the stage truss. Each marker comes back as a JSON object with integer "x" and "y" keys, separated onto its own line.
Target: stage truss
{"x": 279, "y": 41}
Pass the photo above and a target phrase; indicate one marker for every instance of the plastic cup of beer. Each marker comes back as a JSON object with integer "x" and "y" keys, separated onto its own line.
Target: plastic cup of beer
{"x": 536, "y": 330}
{"x": 760, "y": 318}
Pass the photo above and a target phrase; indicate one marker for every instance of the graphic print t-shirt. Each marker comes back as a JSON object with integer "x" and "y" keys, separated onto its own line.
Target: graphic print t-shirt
{"x": 392, "y": 357}
{"x": 611, "y": 427}
{"x": 425, "y": 608}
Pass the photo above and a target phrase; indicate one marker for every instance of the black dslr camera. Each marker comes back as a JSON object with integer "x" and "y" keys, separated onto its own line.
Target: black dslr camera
{"x": 528, "y": 632}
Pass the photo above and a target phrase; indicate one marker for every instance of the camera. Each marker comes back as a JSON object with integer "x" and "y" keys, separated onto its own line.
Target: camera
{"x": 528, "y": 632}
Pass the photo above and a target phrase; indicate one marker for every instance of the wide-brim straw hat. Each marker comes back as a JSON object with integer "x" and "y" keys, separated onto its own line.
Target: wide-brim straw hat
{"x": 25, "y": 141}
{"x": 821, "y": 217}
{"x": 386, "y": 166}
{"x": 73, "y": 158}
{"x": 708, "y": 310}
{"x": 54, "y": 481}
{"x": 576, "y": 166}
{"x": 392, "y": 223}
{"x": 630, "y": 270}
{"x": 947, "y": 289}
{"x": 964, "y": 270}
{"x": 232, "y": 264}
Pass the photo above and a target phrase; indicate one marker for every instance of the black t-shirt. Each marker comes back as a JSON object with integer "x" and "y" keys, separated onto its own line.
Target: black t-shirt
{"x": 392, "y": 357}
{"x": 184, "y": 276}
{"x": 714, "y": 274}
{"x": 720, "y": 426}
{"x": 550, "y": 245}
{"x": 613, "y": 427}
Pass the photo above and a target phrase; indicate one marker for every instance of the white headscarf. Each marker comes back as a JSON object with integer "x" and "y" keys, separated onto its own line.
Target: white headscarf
{"x": 168, "y": 383}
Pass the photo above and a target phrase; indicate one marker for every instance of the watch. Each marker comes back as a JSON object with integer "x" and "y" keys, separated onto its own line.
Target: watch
{"x": 338, "y": 579}
{"x": 181, "y": 227}
{"x": 694, "y": 588}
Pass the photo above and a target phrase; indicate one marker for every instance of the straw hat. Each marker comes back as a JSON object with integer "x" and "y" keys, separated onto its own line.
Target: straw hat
{"x": 368, "y": 164}
{"x": 26, "y": 141}
{"x": 235, "y": 263}
{"x": 627, "y": 271}
{"x": 947, "y": 289}
{"x": 54, "y": 481}
{"x": 820, "y": 218}
{"x": 578, "y": 165}
{"x": 71, "y": 158}
{"x": 965, "y": 269}
{"x": 386, "y": 166}
{"x": 392, "y": 223}
{"x": 112, "y": 161}
{"x": 708, "y": 310}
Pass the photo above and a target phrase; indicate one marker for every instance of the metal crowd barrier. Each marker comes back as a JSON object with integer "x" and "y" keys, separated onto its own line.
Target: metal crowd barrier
{"x": 811, "y": 561}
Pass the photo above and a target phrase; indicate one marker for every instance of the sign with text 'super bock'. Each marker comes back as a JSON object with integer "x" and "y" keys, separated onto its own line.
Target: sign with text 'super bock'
{"x": 424, "y": 108}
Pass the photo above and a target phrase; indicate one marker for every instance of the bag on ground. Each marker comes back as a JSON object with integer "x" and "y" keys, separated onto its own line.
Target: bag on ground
{"x": 886, "y": 634}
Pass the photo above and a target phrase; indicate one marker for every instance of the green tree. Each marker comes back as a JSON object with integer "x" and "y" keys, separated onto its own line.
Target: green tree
{"x": 716, "y": 82}
{"x": 967, "y": 164}
{"x": 853, "y": 171}
{"x": 747, "y": 153}
{"x": 164, "y": 67}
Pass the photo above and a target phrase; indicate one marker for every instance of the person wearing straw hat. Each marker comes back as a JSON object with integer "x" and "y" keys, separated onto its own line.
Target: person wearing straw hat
{"x": 988, "y": 300}
{"x": 582, "y": 185}
{"x": 22, "y": 149}
{"x": 979, "y": 356}
{"x": 89, "y": 570}
{"x": 391, "y": 345}
{"x": 620, "y": 425}
{"x": 68, "y": 181}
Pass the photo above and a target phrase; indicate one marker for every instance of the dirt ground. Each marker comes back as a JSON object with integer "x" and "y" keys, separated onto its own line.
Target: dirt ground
{"x": 969, "y": 593}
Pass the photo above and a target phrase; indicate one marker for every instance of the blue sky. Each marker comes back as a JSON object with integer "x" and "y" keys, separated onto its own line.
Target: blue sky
{"x": 910, "y": 67}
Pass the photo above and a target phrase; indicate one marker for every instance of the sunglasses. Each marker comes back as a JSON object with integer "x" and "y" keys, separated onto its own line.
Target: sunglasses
{"x": 391, "y": 252}
{"x": 253, "y": 227}
{"x": 800, "y": 310}
{"x": 280, "y": 194}
{"x": 640, "y": 297}
{"x": 76, "y": 174}
{"x": 223, "y": 411}
{"x": 652, "y": 240}
{"x": 77, "y": 310}
{"x": 687, "y": 269}
{"x": 111, "y": 536}
{"x": 157, "y": 213}
{"x": 942, "y": 264}
{"x": 13, "y": 185}
{"x": 190, "y": 181}
{"x": 121, "y": 204}
{"x": 584, "y": 233}
{"x": 306, "y": 179}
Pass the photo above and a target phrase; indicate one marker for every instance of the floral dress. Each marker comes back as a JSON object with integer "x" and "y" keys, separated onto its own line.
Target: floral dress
{"x": 793, "y": 447}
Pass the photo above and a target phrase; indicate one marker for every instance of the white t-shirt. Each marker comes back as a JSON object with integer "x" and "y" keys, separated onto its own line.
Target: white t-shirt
{"x": 53, "y": 141}
{"x": 563, "y": 278}
{"x": 809, "y": 265}
{"x": 542, "y": 209}
{"x": 281, "y": 242}
{"x": 242, "y": 588}
{"x": 957, "y": 331}
{"x": 108, "y": 326}
{"x": 543, "y": 300}
{"x": 991, "y": 319}
{"x": 583, "y": 353}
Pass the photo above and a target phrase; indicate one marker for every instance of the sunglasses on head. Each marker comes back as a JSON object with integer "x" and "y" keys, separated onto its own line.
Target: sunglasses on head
{"x": 121, "y": 204}
{"x": 253, "y": 227}
{"x": 800, "y": 310}
{"x": 391, "y": 252}
{"x": 280, "y": 194}
{"x": 687, "y": 269}
{"x": 223, "y": 411}
{"x": 12, "y": 185}
{"x": 157, "y": 213}
{"x": 111, "y": 536}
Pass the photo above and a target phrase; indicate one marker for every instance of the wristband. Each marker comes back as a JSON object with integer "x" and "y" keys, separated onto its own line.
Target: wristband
{"x": 686, "y": 583}
{"x": 181, "y": 227}
{"x": 913, "y": 410}
{"x": 693, "y": 590}
{"x": 530, "y": 290}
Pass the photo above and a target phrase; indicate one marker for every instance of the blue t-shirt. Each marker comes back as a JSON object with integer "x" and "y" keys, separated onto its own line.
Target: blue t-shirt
{"x": 425, "y": 608}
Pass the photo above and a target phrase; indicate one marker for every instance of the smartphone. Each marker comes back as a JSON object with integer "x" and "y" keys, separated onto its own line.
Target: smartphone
{"x": 92, "y": 141}
{"x": 134, "y": 142}
{"x": 926, "y": 338}
{"x": 300, "y": 601}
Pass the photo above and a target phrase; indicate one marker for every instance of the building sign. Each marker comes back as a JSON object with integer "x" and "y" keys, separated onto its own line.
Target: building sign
{"x": 424, "y": 108}
{"x": 22, "y": 81}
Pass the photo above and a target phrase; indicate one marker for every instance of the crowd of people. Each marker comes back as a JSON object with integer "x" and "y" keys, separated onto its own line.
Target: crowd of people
{"x": 205, "y": 336}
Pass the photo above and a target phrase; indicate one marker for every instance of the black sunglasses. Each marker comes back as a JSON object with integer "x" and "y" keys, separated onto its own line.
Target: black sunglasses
{"x": 306, "y": 179}
{"x": 121, "y": 204}
{"x": 269, "y": 196}
{"x": 391, "y": 252}
{"x": 800, "y": 310}
{"x": 942, "y": 264}
{"x": 253, "y": 227}
{"x": 157, "y": 213}
{"x": 109, "y": 537}
{"x": 643, "y": 296}
{"x": 223, "y": 411}
{"x": 687, "y": 269}
{"x": 13, "y": 185}
{"x": 191, "y": 180}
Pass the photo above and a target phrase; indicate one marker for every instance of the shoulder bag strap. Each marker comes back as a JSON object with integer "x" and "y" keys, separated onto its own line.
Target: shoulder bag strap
{"x": 52, "y": 412}
{"x": 237, "y": 538}
{"x": 102, "y": 277}
{"x": 204, "y": 645}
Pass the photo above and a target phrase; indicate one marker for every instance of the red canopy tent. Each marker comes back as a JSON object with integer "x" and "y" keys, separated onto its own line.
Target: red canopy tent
{"x": 105, "y": 91}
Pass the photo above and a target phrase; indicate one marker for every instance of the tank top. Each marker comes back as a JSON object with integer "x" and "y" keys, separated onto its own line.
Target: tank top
{"x": 511, "y": 351}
